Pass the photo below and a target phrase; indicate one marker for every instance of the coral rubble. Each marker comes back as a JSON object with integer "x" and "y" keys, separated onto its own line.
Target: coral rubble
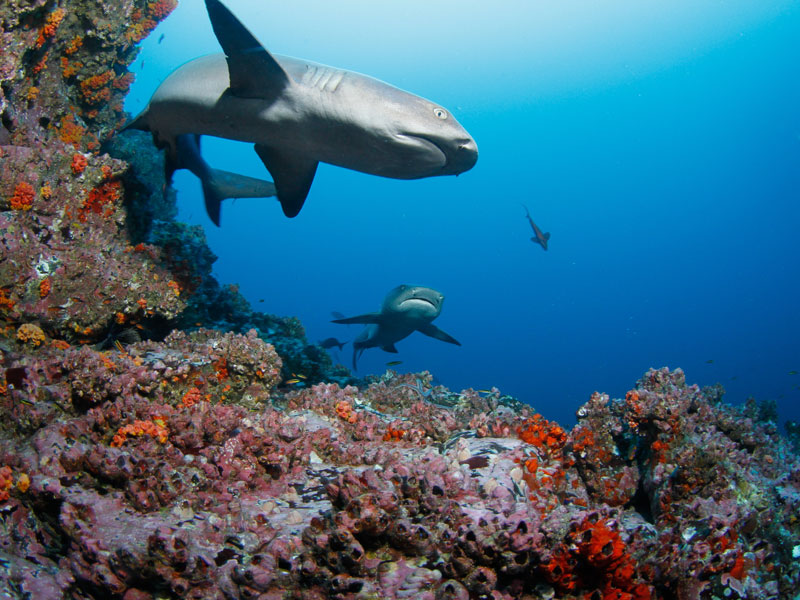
{"x": 152, "y": 445}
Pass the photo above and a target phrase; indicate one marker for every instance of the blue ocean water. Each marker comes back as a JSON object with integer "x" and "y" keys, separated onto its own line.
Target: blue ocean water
{"x": 659, "y": 143}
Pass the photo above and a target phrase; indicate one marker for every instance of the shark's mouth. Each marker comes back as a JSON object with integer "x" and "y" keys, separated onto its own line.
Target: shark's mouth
{"x": 434, "y": 154}
{"x": 444, "y": 155}
{"x": 420, "y": 300}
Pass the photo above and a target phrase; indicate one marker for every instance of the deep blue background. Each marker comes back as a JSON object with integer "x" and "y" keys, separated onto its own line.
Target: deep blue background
{"x": 659, "y": 144}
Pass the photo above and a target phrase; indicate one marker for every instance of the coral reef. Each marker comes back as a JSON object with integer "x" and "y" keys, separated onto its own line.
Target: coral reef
{"x": 66, "y": 263}
{"x": 160, "y": 439}
{"x": 179, "y": 469}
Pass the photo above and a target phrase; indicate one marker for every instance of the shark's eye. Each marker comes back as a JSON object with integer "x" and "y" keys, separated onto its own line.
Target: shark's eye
{"x": 440, "y": 113}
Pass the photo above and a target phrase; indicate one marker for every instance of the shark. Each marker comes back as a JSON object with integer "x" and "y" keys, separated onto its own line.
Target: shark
{"x": 405, "y": 309}
{"x": 538, "y": 237}
{"x": 298, "y": 113}
{"x": 217, "y": 184}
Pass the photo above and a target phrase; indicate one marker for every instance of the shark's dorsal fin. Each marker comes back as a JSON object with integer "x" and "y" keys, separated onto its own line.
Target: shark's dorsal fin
{"x": 253, "y": 72}
{"x": 433, "y": 331}
{"x": 293, "y": 175}
{"x": 367, "y": 319}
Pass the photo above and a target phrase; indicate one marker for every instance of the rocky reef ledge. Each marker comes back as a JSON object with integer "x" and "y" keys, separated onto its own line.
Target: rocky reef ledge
{"x": 152, "y": 447}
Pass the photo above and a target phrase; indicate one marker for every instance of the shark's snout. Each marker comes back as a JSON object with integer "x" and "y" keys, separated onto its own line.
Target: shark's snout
{"x": 465, "y": 156}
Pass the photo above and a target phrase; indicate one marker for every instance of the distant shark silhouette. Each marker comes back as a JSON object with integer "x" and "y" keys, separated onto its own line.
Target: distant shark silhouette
{"x": 404, "y": 310}
{"x": 217, "y": 184}
{"x": 299, "y": 113}
{"x": 538, "y": 237}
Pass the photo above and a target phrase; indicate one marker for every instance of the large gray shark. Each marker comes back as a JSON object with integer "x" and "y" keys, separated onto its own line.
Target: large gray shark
{"x": 405, "y": 309}
{"x": 299, "y": 113}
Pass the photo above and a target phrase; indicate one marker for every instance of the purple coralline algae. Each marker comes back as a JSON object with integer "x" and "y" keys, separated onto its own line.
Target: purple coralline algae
{"x": 160, "y": 439}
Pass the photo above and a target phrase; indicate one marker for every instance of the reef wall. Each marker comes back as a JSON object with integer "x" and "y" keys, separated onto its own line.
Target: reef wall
{"x": 67, "y": 262}
{"x": 151, "y": 446}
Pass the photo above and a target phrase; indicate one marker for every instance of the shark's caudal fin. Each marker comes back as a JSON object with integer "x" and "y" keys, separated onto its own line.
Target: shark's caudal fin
{"x": 213, "y": 203}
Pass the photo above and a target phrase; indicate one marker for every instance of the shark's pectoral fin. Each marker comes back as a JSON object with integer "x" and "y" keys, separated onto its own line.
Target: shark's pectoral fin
{"x": 433, "y": 331}
{"x": 367, "y": 319}
{"x": 293, "y": 175}
{"x": 389, "y": 348}
{"x": 253, "y": 71}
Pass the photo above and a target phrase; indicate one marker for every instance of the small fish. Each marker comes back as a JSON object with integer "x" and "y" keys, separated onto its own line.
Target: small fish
{"x": 330, "y": 342}
{"x": 292, "y": 381}
{"x": 299, "y": 376}
{"x": 118, "y": 336}
{"x": 484, "y": 391}
{"x": 792, "y": 372}
{"x": 710, "y": 361}
{"x": 393, "y": 363}
{"x": 161, "y": 38}
{"x": 260, "y": 299}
